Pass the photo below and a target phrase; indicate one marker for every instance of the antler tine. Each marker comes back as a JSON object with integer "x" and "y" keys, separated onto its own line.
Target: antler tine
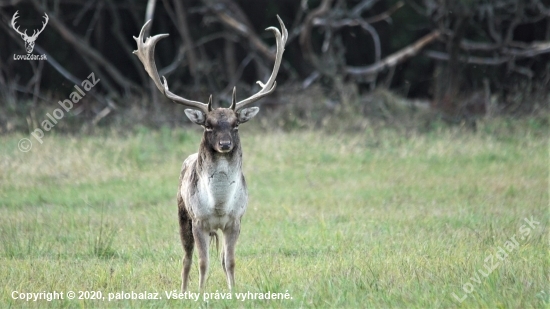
{"x": 44, "y": 23}
{"x": 268, "y": 87}
{"x": 234, "y": 99}
{"x": 146, "y": 54}
{"x": 13, "y": 24}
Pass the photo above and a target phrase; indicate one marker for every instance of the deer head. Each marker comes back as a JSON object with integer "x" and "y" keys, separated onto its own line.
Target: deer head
{"x": 29, "y": 40}
{"x": 221, "y": 124}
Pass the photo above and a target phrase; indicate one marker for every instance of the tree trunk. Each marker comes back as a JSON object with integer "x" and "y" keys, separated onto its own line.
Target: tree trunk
{"x": 448, "y": 76}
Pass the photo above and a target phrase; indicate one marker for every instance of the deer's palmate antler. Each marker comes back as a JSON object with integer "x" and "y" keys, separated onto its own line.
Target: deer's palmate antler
{"x": 146, "y": 54}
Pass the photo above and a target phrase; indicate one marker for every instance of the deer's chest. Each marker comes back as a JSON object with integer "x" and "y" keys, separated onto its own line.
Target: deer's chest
{"x": 221, "y": 185}
{"x": 220, "y": 196}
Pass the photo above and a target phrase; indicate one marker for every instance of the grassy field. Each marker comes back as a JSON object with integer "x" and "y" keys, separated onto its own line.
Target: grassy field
{"x": 371, "y": 219}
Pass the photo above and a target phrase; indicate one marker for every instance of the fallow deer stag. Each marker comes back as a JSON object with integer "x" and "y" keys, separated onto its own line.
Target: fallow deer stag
{"x": 212, "y": 191}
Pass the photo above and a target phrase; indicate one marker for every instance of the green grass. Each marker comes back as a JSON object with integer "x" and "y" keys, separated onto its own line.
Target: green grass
{"x": 371, "y": 219}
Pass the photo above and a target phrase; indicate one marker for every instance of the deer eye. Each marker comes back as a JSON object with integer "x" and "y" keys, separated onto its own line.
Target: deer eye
{"x": 208, "y": 128}
{"x": 236, "y": 128}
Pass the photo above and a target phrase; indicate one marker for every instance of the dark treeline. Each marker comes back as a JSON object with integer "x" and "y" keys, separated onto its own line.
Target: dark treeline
{"x": 459, "y": 55}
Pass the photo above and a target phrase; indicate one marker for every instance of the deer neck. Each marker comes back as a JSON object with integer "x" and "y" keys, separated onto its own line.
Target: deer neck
{"x": 220, "y": 173}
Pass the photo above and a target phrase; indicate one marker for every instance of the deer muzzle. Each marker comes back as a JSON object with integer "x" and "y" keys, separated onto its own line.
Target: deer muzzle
{"x": 225, "y": 145}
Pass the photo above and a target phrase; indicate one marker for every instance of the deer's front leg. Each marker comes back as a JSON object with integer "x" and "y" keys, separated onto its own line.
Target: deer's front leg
{"x": 230, "y": 236}
{"x": 201, "y": 242}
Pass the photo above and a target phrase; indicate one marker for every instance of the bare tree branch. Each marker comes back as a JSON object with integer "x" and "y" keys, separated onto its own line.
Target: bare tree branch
{"x": 86, "y": 49}
{"x": 467, "y": 59}
{"x": 395, "y": 58}
{"x": 149, "y": 13}
{"x": 229, "y": 55}
{"x": 385, "y": 15}
{"x": 352, "y": 23}
{"x": 376, "y": 39}
{"x": 94, "y": 22}
{"x": 246, "y": 32}
{"x": 533, "y": 50}
{"x": 121, "y": 37}
{"x": 362, "y": 6}
{"x": 305, "y": 35}
{"x": 183, "y": 29}
{"x": 177, "y": 62}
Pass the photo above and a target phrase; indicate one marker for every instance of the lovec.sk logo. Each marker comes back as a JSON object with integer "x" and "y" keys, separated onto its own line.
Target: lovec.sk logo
{"x": 29, "y": 40}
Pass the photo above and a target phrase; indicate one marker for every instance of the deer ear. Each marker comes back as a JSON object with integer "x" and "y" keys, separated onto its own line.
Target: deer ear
{"x": 195, "y": 116}
{"x": 246, "y": 114}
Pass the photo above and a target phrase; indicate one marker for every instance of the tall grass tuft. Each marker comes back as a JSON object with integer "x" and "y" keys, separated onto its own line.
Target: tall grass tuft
{"x": 103, "y": 238}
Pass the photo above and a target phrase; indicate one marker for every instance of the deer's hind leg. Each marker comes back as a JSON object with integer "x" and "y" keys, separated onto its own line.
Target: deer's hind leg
{"x": 187, "y": 241}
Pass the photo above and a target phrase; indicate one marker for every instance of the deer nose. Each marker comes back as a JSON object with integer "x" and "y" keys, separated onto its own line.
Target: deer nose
{"x": 225, "y": 144}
